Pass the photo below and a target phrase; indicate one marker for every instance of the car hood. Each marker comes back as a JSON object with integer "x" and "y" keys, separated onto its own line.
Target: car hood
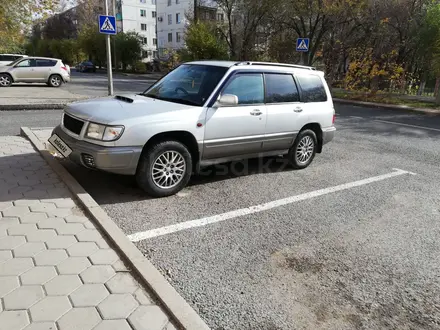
{"x": 113, "y": 110}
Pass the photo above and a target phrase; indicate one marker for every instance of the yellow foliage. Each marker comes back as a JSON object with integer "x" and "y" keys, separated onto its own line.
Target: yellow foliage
{"x": 364, "y": 68}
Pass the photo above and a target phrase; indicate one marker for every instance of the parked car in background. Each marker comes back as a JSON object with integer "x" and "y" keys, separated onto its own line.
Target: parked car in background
{"x": 86, "y": 66}
{"x": 8, "y": 58}
{"x": 200, "y": 114}
{"x": 51, "y": 71}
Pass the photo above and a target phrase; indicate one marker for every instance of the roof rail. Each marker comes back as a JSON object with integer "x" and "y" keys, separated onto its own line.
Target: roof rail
{"x": 277, "y": 64}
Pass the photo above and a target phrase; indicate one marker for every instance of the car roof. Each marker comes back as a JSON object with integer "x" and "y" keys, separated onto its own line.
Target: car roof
{"x": 43, "y": 58}
{"x": 230, "y": 64}
{"x": 226, "y": 64}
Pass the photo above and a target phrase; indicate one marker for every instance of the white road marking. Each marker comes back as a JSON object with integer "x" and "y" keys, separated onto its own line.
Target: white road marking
{"x": 408, "y": 125}
{"x": 136, "y": 237}
{"x": 357, "y": 117}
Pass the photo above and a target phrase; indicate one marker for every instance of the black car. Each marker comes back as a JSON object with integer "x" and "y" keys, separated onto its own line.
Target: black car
{"x": 86, "y": 66}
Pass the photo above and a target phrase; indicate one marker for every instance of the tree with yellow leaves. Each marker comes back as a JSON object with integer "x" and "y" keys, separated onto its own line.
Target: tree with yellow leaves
{"x": 16, "y": 17}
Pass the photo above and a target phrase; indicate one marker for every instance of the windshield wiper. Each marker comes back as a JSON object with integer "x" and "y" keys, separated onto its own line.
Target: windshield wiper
{"x": 182, "y": 101}
{"x": 169, "y": 99}
{"x": 150, "y": 96}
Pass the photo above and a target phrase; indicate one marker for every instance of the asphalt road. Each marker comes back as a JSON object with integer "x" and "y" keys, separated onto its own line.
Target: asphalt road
{"x": 11, "y": 121}
{"x": 96, "y": 84}
{"x": 356, "y": 247}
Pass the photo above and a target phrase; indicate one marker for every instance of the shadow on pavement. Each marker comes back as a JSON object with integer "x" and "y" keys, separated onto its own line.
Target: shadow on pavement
{"x": 27, "y": 176}
{"x": 107, "y": 188}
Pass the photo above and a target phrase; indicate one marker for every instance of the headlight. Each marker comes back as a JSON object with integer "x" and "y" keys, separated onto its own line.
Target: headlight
{"x": 104, "y": 133}
{"x": 95, "y": 131}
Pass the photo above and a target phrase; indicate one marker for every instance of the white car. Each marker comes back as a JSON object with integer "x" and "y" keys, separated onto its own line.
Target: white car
{"x": 201, "y": 113}
{"x": 8, "y": 58}
{"x": 51, "y": 71}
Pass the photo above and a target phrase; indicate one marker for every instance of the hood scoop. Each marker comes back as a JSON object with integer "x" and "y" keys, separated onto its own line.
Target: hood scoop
{"x": 124, "y": 98}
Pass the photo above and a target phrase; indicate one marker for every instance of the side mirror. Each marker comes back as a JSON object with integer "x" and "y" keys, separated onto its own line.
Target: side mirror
{"x": 227, "y": 100}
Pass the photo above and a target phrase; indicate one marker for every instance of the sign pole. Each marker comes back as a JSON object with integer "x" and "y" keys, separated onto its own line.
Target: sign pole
{"x": 109, "y": 57}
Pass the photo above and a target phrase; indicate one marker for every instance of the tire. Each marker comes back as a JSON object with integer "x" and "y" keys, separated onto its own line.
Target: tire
{"x": 5, "y": 80}
{"x": 150, "y": 160}
{"x": 55, "y": 80}
{"x": 307, "y": 142}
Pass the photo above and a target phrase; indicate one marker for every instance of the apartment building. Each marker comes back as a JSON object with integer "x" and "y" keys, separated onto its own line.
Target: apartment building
{"x": 172, "y": 20}
{"x": 139, "y": 16}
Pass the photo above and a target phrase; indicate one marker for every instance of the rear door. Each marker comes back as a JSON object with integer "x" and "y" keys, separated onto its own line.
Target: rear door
{"x": 314, "y": 100}
{"x": 44, "y": 69}
{"x": 285, "y": 112}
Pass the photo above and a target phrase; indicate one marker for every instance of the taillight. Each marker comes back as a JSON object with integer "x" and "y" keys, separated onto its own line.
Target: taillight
{"x": 64, "y": 68}
{"x": 334, "y": 116}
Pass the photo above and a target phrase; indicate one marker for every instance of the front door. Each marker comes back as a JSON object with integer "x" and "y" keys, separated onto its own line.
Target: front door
{"x": 237, "y": 130}
{"x": 285, "y": 114}
{"x": 25, "y": 71}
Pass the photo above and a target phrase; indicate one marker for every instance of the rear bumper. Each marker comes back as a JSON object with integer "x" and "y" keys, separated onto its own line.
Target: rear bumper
{"x": 66, "y": 79}
{"x": 119, "y": 160}
{"x": 328, "y": 134}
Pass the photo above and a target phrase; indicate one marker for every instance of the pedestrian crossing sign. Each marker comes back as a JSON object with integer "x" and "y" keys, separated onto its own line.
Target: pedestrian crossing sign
{"x": 302, "y": 44}
{"x": 107, "y": 24}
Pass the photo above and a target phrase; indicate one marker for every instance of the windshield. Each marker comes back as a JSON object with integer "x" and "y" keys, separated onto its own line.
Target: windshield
{"x": 188, "y": 84}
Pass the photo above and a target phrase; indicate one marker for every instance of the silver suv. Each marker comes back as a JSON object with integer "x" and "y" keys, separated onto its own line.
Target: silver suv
{"x": 201, "y": 113}
{"x": 51, "y": 71}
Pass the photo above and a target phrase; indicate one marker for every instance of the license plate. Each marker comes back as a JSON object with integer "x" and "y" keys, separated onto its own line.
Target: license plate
{"x": 60, "y": 145}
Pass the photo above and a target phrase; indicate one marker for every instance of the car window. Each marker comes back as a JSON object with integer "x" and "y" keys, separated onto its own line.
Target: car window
{"x": 249, "y": 88}
{"x": 25, "y": 64}
{"x": 46, "y": 63}
{"x": 187, "y": 84}
{"x": 281, "y": 88}
{"x": 312, "y": 88}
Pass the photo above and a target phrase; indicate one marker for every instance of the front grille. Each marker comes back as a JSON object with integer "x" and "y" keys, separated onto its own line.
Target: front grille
{"x": 72, "y": 124}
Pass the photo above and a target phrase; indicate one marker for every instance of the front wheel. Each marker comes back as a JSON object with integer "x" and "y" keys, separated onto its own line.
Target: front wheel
{"x": 303, "y": 151}
{"x": 55, "y": 80}
{"x": 5, "y": 80}
{"x": 164, "y": 169}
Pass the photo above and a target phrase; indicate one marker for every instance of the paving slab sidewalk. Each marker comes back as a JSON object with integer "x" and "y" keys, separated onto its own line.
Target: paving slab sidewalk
{"x": 57, "y": 270}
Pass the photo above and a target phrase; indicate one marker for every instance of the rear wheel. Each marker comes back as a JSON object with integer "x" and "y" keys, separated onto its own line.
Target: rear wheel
{"x": 5, "y": 80}
{"x": 55, "y": 80}
{"x": 164, "y": 169}
{"x": 303, "y": 151}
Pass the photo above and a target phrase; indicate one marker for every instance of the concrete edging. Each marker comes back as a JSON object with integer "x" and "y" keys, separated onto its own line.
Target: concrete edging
{"x": 42, "y": 106}
{"x": 173, "y": 302}
{"x": 386, "y": 106}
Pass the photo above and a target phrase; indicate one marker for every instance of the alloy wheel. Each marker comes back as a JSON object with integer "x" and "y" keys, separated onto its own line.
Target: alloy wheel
{"x": 304, "y": 150}
{"x": 168, "y": 169}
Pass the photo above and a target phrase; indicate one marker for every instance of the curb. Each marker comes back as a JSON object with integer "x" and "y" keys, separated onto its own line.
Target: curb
{"x": 173, "y": 302}
{"x": 42, "y": 106}
{"x": 387, "y": 106}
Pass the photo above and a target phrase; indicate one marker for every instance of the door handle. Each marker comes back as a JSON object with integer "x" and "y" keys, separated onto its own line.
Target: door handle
{"x": 298, "y": 109}
{"x": 256, "y": 112}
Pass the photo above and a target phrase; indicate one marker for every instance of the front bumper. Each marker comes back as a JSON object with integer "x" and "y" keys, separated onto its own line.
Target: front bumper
{"x": 119, "y": 160}
{"x": 328, "y": 134}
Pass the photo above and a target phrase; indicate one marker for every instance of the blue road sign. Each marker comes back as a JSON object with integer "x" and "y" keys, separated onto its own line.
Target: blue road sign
{"x": 302, "y": 44}
{"x": 107, "y": 24}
